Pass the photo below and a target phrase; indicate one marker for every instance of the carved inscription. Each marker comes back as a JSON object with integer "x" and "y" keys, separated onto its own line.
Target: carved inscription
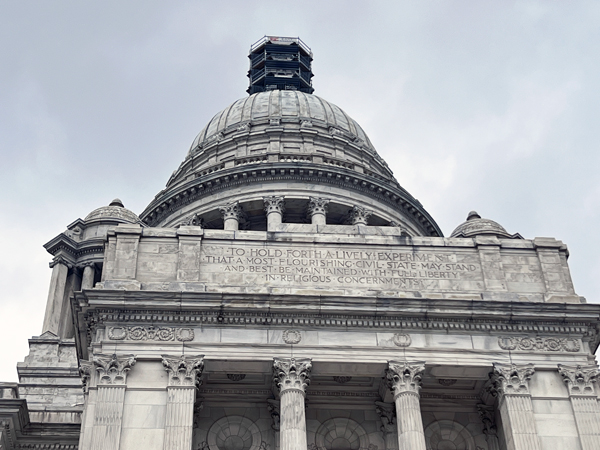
{"x": 385, "y": 268}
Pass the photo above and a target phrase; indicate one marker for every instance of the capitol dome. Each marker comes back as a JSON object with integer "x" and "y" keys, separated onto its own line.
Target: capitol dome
{"x": 115, "y": 211}
{"x": 475, "y": 225}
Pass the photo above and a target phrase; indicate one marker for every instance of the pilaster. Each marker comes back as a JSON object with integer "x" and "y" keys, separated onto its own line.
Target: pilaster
{"x": 387, "y": 414}
{"x": 404, "y": 380}
{"x": 190, "y": 244}
{"x": 491, "y": 263}
{"x": 126, "y": 252}
{"x": 56, "y": 306}
{"x": 510, "y": 384}
{"x": 184, "y": 376}
{"x": 488, "y": 420}
{"x": 273, "y": 407}
{"x": 108, "y": 412}
{"x": 291, "y": 378}
{"x": 580, "y": 383}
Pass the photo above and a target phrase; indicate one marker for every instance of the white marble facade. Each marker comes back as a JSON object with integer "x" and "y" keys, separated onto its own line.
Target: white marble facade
{"x": 285, "y": 293}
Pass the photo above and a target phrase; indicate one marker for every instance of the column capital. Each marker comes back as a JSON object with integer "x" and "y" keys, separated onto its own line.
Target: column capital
{"x": 317, "y": 205}
{"x": 192, "y": 221}
{"x": 291, "y": 374}
{"x": 358, "y": 215}
{"x": 274, "y": 203}
{"x": 580, "y": 379}
{"x": 85, "y": 373}
{"x": 510, "y": 379}
{"x": 232, "y": 210}
{"x": 183, "y": 371}
{"x": 404, "y": 376}
{"x": 112, "y": 369}
{"x": 60, "y": 259}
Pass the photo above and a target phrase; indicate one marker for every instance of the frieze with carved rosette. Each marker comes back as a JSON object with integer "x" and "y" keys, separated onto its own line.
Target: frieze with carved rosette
{"x": 579, "y": 379}
{"x": 538, "y": 343}
{"x": 510, "y": 379}
{"x": 274, "y": 204}
{"x": 185, "y": 370}
{"x": 358, "y": 215}
{"x": 402, "y": 376}
{"x": 112, "y": 369}
{"x": 291, "y": 374}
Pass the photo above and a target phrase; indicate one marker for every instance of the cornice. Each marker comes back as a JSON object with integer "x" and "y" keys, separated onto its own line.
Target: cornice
{"x": 173, "y": 199}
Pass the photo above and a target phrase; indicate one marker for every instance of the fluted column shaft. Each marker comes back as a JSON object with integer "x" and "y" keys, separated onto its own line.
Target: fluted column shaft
{"x": 404, "y": 379}
{"x": 180, "y": 417}
{"x": 108, "y": 417}
{"x": 510, "y": 384}
{"x": 290, "y": 376}
{"x": 580, "y": 382}
{"x": 184, "y": 377}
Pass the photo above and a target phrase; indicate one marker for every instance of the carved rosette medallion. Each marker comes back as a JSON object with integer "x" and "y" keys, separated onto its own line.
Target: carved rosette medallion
{"x": 580, "y": 379}
{"x": 273, "y": 204}
{"x": 185, "y": 370}
{"x": 550, "y": 344}
{"x": 292, "y": 336}
{"x": 358, "y": 216}
{"x": 317, "y": 205}
{"x": 150, "y": 333}
{"x": 402, "y": 376}
{"x": 510, "y": 379}
{"x": 291, "y": 374}
{"x": 112, "y": 369}
{"x": 401, "y": 340}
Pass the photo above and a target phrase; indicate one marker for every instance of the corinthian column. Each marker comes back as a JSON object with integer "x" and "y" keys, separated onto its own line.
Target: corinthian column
{"x": 358, "y": 215}
{"x": 274, "y": 208}
{"x": 404, "y": 379}
{"x": 317, "y": 210}
{"x": 108, "y": 413}
{"x": 510, "y": 384}
{"x": 184, "y": 377}
{"x": 291, "y": 377}
{"x": 580, "y": 382}
{"x": 233, "y": 214}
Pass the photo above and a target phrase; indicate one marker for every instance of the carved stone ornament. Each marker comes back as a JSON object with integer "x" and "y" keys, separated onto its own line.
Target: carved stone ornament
{"x": 447, "y": 381}
{"x": 358, "y": 216}
{"x": 236, "y": 376}
{"x": 401, "y": 340}
{"x": 112, "y": 369}
{"x": 488, "y": 419}
{"x": 292, "y": 336}
{"x": 387, "y": 414}
{"x": 85, "y": 372}
{"x": 232, "y": 210}
{"x": 317, "y": 205}
{"x": 291, "y": 374}
{"x": 341, "y": 379}
{"x": 551, "y": 344}
{"x": 192, "y": 221}
{"x": 273, "y": 407}
{"x": 510, "y": 379}
{"x": 580, "y": 379}
{"x": 61, "y": 260}
{"x": 274, "y": 203}
{"x": 185, "y": 370}
{"x": 150, "y": 333}
{"x": 402, "y": 376}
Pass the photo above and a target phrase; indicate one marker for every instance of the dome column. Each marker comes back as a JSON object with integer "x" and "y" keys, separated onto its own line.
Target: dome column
{"x": 87, "y": 279}
{"x": 404, "y": 380}
{"x": 358, "y": 215}
{"x": 291, "y": 378}
{"x": 57, "y": 308}
{"x": 317, "y": 210}
{"x": 274, "y": 209}
{"x": 233, "y": 214}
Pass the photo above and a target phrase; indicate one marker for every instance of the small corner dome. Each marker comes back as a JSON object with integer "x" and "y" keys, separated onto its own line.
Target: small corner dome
{"x": 115, "y": 211}
{"x": 476, "y": 226}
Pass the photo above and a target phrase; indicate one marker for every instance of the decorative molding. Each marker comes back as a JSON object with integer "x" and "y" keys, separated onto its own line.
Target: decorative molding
{"x": 192, "y": 221}
{"x": 341, "y": 379}
{"x": 401, "y": 340}
{"x": 292, "y": 336}
{"x": 291, "y": 374}
{"x": 447, "y": 381}
{"x": 112, "y": 369}
{"x": 402, "y": 376}
{"x": 510, "y": 379}
{"x": 358, "y": 215}
{"x": 273, "y": 407}
{"x": 150, "y": 333}
{"x": 85, "y": 372}
{"x": 275, "y": 204}
{"x": 552, "y": 344}
{"x": 387, "y": 414}
{"x": 236, "y": 376}
{"x": 185, "y": 370}
{"x": 45, "y": 447}
{"x": 317, "y": 205}
{"x": 580, "y": 379}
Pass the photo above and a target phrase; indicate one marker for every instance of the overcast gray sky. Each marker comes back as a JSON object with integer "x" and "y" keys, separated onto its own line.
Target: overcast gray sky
{"x": 485, "y": 105}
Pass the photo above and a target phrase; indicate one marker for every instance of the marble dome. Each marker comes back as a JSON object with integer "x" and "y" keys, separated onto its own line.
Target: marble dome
{"x": 114, "y": 211}
{"x": 476, "y": 226}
